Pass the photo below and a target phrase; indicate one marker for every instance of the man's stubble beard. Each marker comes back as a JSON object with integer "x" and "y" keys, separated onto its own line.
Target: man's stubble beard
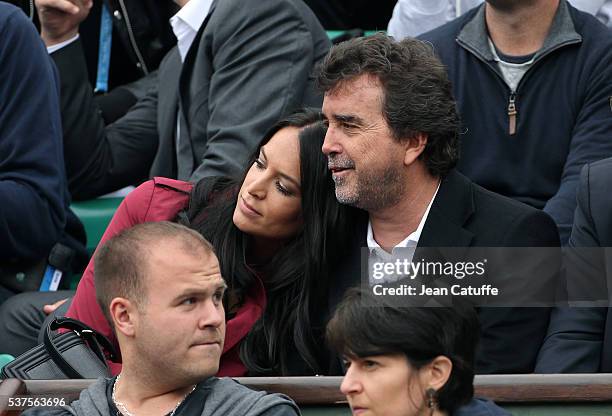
{"x": 374, "y": 190}
{"x": 181, "y": 374}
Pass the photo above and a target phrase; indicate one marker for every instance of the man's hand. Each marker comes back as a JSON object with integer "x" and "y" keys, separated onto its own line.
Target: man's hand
{"x": 60, "y": 19}
{"x": 49, "y": 309}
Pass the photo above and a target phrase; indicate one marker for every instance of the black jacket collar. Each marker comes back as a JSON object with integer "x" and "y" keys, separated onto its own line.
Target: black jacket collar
{"x": 450, "y": 211}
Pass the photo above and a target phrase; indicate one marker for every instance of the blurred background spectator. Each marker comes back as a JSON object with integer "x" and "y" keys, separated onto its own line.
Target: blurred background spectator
{"x": 123, "y": 41}
{"x": 36, "y": 225}
{"x": 414, "y": 17}
{"x": 532, "y": 80}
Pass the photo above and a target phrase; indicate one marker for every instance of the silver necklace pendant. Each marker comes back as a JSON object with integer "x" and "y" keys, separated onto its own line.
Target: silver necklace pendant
{"x": 122, "y": 409}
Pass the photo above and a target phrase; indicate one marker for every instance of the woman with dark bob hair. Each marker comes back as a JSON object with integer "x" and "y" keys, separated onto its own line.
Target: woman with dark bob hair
{"x": 407, "y": 361}
{"x": 275, "y": 231}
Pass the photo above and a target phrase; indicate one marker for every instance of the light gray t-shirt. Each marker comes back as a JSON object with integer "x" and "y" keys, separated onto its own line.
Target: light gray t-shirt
{"x": 511, "y": 71}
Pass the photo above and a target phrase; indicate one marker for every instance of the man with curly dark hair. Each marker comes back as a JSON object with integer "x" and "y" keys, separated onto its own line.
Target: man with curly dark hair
{"x": 392, "y": 144}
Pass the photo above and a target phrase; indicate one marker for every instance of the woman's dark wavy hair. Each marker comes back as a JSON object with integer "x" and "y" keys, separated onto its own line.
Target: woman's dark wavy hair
{"x": 417, "y": 94}
{"x": 296, "y": 278}
{"x": 364, "y": 325}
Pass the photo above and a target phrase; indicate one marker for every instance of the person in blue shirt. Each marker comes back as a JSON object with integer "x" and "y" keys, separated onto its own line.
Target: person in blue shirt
{"x": 34, "y": 208}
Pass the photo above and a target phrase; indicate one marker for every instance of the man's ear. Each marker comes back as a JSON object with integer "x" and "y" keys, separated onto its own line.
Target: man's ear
{"x": 414, "y": 147}
{"x": 124, "y": 314}
{"x": 436, "y": 373}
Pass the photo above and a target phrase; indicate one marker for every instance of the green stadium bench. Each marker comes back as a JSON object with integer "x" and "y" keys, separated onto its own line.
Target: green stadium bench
{"x": 95, "y": 216}
{"x": 331, "y": 34}
{"x": 522, "y": 395}
{"x": 5, "y": 359}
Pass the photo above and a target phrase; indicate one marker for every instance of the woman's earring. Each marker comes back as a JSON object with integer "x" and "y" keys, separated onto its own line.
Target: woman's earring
{"x": 431, "y": 398}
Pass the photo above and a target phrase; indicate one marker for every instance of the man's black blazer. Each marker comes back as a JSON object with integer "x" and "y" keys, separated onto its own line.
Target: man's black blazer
{"x": 580, "y": 339}
{"x": 464, "y": 214}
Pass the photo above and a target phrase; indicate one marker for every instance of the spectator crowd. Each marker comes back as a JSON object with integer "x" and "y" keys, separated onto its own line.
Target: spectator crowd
{"x": 268, "y": 167}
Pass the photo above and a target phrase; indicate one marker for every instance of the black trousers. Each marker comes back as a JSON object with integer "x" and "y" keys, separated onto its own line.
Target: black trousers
{"x": 22, "y": 318}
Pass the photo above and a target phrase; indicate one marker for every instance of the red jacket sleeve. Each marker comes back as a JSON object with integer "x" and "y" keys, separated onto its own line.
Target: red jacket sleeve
{"x": 84, "y": 307}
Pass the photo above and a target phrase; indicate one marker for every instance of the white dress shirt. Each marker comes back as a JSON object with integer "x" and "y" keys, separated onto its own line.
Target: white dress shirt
{"x": 58, "y": 46}
{"x": 378, "y": 254}
{"x": 186, "y": 23}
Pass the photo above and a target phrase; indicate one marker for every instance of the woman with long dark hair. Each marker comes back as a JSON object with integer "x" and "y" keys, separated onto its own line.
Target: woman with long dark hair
{"x": 275, "y": 231}
{"x": 403, "y": 360}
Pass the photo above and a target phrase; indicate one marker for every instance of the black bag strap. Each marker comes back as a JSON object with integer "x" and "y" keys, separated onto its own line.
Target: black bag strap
{"x": 80, "y": 327}
{"x": 95, "y": 340}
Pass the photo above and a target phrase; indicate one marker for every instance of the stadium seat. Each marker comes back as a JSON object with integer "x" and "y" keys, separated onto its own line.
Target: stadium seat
{"x": 5, "y": 359}
{"x": 95, "y": 215}
{"x": 331, "y": 34}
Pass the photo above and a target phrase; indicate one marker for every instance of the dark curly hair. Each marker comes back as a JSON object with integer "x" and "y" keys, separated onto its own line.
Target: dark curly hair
{"x": 416, "y": 89}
